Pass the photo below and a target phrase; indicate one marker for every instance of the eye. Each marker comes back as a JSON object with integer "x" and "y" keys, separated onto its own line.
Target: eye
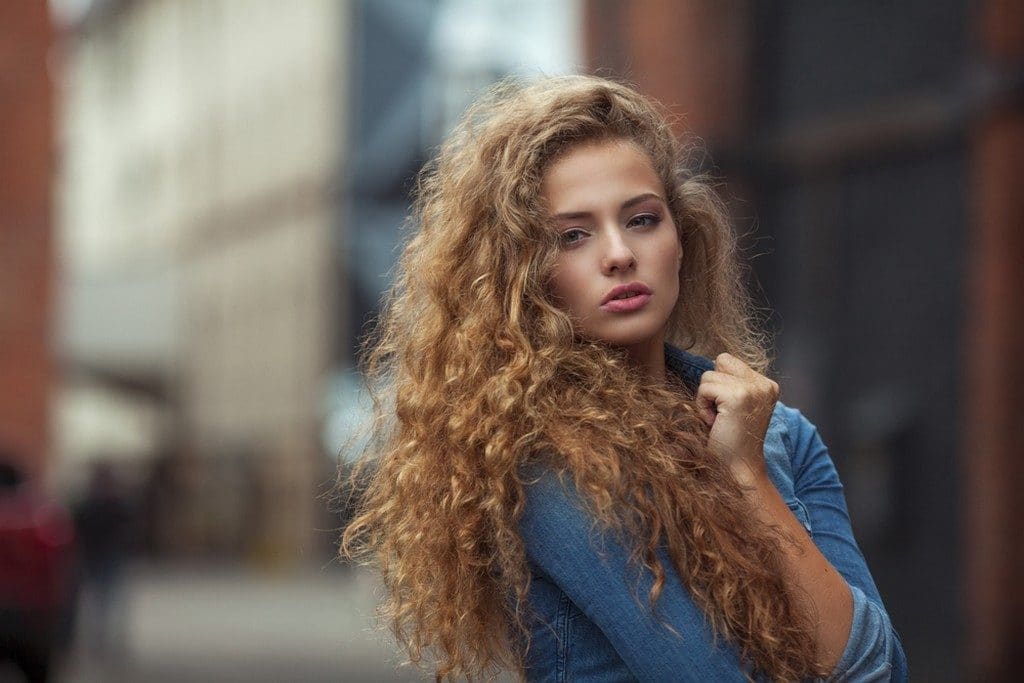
{"x": 572, "y": 236}
{"x": 644, "y": 220}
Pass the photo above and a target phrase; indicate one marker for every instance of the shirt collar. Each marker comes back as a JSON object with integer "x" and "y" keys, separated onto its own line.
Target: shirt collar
{"x": 687, "y": 366}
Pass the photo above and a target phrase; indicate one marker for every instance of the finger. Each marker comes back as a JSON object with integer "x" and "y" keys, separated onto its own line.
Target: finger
{"x": 706, "y": 411}
{"x": 717, "y": 377}
{"x": 732, "y": 367}
{"x": 707, "y": 406}
{"x": 729, "y": 395}
{"x": 728, "y": 363}
{"x": 723, "y": 396}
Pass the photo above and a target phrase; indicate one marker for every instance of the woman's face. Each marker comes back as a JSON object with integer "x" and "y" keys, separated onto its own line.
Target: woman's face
{"x": 617, "y": 270}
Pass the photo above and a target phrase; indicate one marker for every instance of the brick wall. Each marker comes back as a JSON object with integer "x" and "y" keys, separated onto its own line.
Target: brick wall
{"x": 992, "y": 463}
{"x": 690, "y": 55}
{"x": 26, "y": 261}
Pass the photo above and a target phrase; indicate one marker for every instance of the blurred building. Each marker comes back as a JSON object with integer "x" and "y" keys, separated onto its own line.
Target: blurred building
{"x": 200, "y": 144}
{"x": 233, "y": 185}
{"x": 26, "y": 235}
{"x": 439, "y": 55}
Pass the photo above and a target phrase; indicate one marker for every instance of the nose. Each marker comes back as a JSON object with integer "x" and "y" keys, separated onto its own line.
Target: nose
{"x": 618, "y": 256}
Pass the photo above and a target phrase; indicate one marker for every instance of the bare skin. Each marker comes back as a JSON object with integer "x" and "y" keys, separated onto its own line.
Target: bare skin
{"x": 607, "y": 204}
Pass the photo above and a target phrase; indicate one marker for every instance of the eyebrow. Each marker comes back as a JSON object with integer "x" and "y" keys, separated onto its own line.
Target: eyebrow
{"x": 629, "y": 203}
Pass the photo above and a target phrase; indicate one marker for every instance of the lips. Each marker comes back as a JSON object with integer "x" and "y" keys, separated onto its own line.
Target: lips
{"x": 623, "y": 292}
{"x": 626, "y": 298}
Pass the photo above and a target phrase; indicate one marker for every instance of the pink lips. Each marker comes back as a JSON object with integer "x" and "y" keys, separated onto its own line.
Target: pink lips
{"x": 633, "y": 303}
{"x": 639, "y": 293}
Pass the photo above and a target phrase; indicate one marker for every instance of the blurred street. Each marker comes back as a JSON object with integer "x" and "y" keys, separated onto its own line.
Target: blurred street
{"x": 198, "y": 233}
{"x": 222, "y": 625}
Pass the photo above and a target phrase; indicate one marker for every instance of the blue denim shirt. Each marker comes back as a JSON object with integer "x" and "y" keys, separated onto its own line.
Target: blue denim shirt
{"x": 592, "y": 625}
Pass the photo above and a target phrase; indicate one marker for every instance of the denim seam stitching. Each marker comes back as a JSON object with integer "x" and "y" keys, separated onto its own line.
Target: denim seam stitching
{"x": 797, "y": 504}
{"x": 562, "y": 618}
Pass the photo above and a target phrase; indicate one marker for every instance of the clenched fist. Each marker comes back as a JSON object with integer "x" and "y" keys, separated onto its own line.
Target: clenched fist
{"x": 737, "y": 403}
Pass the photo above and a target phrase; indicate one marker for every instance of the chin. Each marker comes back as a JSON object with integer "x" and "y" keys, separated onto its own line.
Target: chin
{"x": 632, "y": 331}
{"x": 633, "y": 336}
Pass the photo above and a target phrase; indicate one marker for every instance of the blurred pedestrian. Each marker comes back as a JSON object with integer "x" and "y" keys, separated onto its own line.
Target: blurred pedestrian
{"x": 104, "y": 522}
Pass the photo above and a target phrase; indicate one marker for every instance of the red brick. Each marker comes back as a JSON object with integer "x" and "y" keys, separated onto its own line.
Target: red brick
{"x": 26, "y": 259}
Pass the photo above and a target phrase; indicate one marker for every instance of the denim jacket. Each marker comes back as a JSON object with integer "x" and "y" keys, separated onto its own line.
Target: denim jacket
{"x": 591, "y": 618}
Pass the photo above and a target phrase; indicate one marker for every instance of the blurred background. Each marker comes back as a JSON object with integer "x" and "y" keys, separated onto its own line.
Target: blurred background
{"x": 200, "y": 202}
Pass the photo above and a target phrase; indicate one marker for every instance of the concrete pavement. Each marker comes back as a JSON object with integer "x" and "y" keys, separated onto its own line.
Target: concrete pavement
{"x": 225, "y": 626}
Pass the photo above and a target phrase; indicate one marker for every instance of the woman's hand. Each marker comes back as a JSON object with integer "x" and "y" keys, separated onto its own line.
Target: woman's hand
{"x": 737, "y": 403}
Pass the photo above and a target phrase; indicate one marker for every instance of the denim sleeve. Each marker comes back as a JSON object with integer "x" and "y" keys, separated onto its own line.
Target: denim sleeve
{"x": 873, "y": 651}
{"x": 591, "y": 567}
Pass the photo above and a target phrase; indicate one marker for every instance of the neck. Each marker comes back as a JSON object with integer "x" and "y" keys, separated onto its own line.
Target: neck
{"x": 650, "y": 356}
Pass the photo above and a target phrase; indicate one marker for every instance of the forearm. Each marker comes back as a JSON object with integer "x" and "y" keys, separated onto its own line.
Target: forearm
{"x": 811, "y": 579}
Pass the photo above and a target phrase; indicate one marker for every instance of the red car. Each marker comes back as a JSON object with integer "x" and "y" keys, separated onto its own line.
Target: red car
{"x": 37, "y": 544}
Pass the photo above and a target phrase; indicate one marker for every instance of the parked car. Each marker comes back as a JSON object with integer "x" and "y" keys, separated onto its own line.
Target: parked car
{"x": 37, "y": 575}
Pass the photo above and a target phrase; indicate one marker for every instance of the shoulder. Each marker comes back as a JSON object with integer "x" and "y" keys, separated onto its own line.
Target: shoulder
{"x": 551, "y": 501}
{"x": 807, "y": 466}
{"x": 788, "y": 422}
{"x": 800, "y": 435}
{"x": 796, "y": 435}
{"x": 546, "y": 491}
{"x": 795, "y": 422}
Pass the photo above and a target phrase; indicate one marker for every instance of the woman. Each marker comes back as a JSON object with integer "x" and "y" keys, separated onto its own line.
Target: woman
{"x": 558, "y": 487}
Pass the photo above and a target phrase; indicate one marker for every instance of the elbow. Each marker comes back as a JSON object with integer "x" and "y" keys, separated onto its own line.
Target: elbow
{"x": 898, "y": 658}
{"x": 874, "y": 652}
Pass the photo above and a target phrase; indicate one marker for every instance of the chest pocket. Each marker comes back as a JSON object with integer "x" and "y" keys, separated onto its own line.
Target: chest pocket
{"x": 780, "y": 466}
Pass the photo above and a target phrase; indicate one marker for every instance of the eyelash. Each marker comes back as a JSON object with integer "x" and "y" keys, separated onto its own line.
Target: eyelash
{"x": 653, "y": 218}
{"x": 650, "y": 221}
{"x": 563, "y": 238}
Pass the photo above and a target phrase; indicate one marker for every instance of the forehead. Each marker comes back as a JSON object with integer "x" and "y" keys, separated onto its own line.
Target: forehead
{"x": 598, "y": 172}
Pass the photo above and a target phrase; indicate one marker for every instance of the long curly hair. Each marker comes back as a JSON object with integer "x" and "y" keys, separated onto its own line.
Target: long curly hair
{"x": 475, "y": 371}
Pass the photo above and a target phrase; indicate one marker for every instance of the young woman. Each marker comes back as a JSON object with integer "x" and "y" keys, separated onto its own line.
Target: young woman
{"x": 557, "y": 487}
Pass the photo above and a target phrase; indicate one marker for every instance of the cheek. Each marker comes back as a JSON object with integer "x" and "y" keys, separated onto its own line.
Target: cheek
{"x": 673, "y": 264}
{"x": 568, "y": 287}
{"x": 560, "y": 284}
{"x": 672, "y": 253}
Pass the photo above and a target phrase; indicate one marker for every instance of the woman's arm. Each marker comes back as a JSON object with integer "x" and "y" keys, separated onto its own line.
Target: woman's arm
{"x": 874, "y": 645}
{"x": 852, "y": 635}
{"x": 737, "y": 403}
{"x": 591, "y": 568}
{"x": 812, "y": 582}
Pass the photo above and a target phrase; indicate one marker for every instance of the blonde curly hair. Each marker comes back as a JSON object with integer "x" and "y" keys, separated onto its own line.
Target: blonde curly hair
{"x": 475, "y": 372}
